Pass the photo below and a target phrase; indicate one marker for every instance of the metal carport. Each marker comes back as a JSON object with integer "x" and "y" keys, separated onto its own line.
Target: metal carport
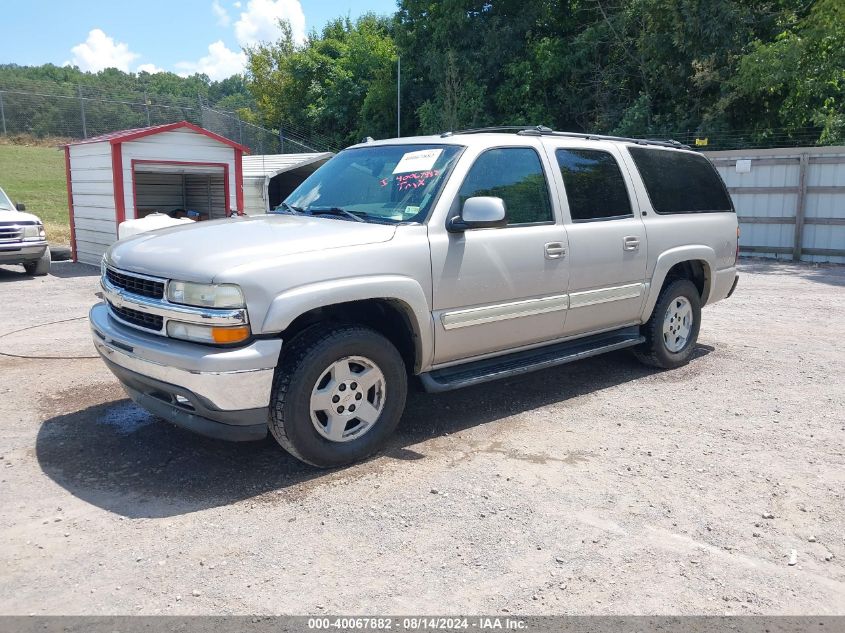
{"x": 270, "y": 178}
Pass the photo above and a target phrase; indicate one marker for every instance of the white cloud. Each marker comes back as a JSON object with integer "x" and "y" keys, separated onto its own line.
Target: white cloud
{"x": 221, "y": 62}
{"x": 99, "y": 51}
{"x": 149, "y": 68}
{"x": 259, "y": 23}
{"x": 220, "y": 13}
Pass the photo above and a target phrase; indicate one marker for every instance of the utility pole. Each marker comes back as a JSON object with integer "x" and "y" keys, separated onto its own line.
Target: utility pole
{"x": 82, "y": 111}
{"x": 398, "y": 96}
{"x": 147, "y": 108}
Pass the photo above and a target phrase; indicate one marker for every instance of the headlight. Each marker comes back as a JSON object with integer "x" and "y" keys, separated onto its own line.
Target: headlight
{"x": 205, "y": 295}
{"x": 34, "y": 232}
{"x": 207, "y": 333}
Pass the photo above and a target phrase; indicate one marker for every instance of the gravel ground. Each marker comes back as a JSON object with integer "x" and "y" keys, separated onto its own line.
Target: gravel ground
{"x": 602, "y": 487}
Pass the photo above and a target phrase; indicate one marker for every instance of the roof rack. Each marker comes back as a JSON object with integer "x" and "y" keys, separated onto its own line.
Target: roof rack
{"x": 495, "y": 128}
{"x": 541, "y": 130}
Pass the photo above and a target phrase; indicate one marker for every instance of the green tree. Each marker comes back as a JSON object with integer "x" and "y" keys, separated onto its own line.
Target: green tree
{"x": 796, "y": 81}
{"x": 335, "y": 85}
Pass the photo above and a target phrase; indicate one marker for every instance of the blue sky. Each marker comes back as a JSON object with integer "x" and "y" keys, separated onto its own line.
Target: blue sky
{"x": 182, "y": 36}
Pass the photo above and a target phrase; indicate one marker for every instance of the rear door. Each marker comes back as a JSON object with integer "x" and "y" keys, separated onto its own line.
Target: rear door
{"x": 607, "y": 239}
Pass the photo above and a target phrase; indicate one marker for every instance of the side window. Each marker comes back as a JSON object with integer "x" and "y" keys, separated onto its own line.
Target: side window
{"x": 679, "y": 182}
{"x": 594, "y": 185}
{"x": 515, "y": 175}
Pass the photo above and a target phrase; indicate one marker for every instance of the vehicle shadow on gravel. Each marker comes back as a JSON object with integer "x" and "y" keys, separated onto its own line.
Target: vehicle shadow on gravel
{"x": 13, "y": 273}
{"x": 62, "y": 270}
{"x": 71, "y": 270}
{"x": 117, "y": 457}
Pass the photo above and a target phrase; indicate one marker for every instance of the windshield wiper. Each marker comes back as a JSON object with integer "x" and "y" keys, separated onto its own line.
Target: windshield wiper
{"x": 334, "y": 211}
{"x": 291, "y": 209}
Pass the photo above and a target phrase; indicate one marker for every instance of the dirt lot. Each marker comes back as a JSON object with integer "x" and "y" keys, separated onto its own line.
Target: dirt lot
{"x": 600, "y": 487}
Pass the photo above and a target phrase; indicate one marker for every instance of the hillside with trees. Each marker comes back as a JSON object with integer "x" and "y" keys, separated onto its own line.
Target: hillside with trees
{"x": 737, "y": 72}
{"x": 45, "y": 100}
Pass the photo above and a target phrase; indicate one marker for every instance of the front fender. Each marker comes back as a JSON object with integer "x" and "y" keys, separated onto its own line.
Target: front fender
{"x": 407, "y": 292}
{"x": 667, "y": 259}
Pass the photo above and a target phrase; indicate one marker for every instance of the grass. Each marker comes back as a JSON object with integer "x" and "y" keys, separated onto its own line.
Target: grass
{"x": 33, "y": 172}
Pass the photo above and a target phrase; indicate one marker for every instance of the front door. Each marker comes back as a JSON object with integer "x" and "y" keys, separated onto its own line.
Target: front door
{"x": 607, "y": 239}
{"x": 501, "y": 288}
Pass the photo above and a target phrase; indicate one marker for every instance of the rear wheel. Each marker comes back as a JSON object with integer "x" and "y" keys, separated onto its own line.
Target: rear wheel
{"x": 672, "y": 330}
{"x": 338, "y": 394}
{"x": 41, "y": 266}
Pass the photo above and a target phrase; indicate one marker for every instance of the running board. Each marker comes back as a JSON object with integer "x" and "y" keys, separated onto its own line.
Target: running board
{"x": 518, "y": 363}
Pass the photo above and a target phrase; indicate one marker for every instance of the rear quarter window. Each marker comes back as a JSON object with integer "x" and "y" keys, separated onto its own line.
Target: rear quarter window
{"x": 678, "y": 182}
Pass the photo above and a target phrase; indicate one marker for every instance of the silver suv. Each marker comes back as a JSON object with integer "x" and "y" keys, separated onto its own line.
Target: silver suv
{"x": 460, "y": 259}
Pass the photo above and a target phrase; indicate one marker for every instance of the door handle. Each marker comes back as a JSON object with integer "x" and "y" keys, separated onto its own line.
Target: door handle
{"x": 555, "y": 250}
{"x": 630, "y": 243}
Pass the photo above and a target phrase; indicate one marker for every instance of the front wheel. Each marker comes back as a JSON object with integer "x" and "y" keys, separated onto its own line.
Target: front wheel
{"x": 338, "y": 394}
{"x": 671, "y": 332}
{"x": 39, "y": 267}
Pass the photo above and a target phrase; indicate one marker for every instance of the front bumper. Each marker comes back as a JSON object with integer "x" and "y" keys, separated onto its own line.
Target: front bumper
{"x": 19, "y": 252}
{"x": 218, "y": 392}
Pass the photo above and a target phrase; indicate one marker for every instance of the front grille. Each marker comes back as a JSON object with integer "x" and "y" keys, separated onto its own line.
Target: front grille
{"x": 10, "y": 233}
{"x": 136, "y": 285}
{"x": 141, "y": 319}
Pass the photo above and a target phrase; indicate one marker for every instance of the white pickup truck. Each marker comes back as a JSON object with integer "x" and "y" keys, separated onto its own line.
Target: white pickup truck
{"x": 22, "y": 238}
{"x": 458, "y": 258}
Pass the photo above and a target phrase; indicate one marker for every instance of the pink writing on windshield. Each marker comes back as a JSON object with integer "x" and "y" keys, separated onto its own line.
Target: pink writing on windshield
{"x": 414, "y": 180}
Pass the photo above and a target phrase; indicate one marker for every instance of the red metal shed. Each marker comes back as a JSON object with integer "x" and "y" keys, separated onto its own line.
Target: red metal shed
{"x": 131, "y": 173}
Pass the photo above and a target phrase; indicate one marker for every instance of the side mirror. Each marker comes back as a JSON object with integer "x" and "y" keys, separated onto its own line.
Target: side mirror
{"x": 20, "y": 206}
{"x": 481, "y": 212}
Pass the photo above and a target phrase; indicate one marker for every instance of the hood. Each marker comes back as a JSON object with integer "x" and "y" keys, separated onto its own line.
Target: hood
{"x": 199, "y": 252}
{"x": 17, "y": 216}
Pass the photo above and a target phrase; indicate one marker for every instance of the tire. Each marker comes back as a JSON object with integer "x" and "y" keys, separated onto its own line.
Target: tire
{"x": 317, "y": 377}
{"x": 41, "y": 267}
{"x": 668, "y": 348}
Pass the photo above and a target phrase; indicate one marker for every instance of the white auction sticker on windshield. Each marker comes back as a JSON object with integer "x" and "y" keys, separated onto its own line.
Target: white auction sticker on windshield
{"x": 421, "y": 160}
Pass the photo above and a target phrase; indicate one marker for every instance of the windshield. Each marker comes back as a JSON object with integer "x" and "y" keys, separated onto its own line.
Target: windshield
{"x": 385, "y": 183}
{"x": 5, "y": 203}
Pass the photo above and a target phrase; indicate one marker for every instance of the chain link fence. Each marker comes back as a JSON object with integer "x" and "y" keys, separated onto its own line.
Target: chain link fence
{"x": 739, "y": 139}
{"x": 82, "y": 112}
{"x": 44, "y": 109}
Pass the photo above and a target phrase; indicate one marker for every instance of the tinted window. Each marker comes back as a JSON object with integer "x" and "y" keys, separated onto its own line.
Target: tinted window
{"x": 680, "y": 183}
{"x": 515, "y": 175}
{"x": 594, "y": 185}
